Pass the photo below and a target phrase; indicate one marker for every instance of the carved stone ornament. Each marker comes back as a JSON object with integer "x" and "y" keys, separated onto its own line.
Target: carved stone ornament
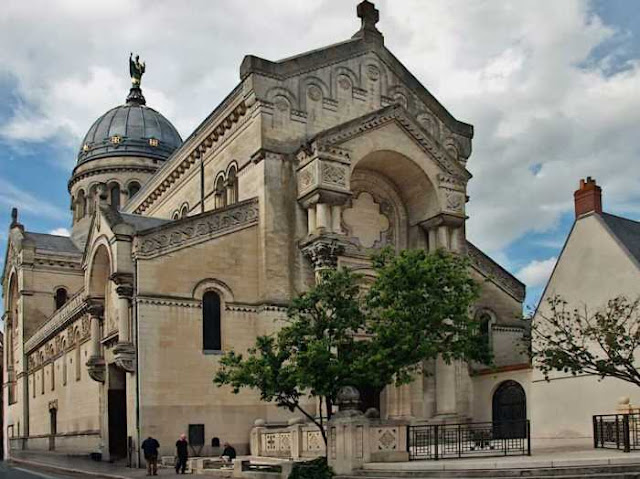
{"x": 323, "y": 252}
{"x": 97, "y": 368}
{"x": 373, "y": 72}
{"x": 314, "y": 93}
{"x": 455, "y": 201}
{"x": 334, "y": 174}
{"x": 199, "y": 228}
{"x": 344, "y": 82}
{"x": 125, "y": 356}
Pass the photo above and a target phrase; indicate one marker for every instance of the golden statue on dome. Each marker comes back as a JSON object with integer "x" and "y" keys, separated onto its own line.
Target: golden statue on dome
{"x": 136, "y": 69}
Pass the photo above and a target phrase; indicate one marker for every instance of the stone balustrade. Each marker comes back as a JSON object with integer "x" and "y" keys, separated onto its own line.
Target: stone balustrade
{"x": 295, "y": 441}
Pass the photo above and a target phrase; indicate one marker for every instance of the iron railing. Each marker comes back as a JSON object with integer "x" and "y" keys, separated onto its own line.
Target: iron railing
{"x": 478, "y": 439}
{"x": 617, "y": 431}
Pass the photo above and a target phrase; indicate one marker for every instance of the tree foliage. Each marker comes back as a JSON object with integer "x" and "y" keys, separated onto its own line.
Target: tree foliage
{"x": 342, "y": 333}
{"x": 603, "y": 343}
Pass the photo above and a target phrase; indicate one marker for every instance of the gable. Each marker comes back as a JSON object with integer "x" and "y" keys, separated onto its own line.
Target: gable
{"x": 592, "y": 268}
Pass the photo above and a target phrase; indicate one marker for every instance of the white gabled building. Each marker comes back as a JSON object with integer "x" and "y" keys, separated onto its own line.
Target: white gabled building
{"x": 600, "y": 261}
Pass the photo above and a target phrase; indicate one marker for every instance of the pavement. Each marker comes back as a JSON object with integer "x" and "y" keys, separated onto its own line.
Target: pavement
{"x": 60, "y": 465}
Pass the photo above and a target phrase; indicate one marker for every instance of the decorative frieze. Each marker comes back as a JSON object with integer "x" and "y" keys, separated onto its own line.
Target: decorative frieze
{"x": 196, "y": 229}
{"x": 496, "y": 273}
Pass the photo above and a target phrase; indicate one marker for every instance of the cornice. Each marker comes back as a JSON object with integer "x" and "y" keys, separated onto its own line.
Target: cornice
{"x": 210, "y": 141}
{"x": 496, "y": 273}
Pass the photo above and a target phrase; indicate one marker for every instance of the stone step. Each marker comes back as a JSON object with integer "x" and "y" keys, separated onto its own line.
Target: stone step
{"x": 595, "y": 471}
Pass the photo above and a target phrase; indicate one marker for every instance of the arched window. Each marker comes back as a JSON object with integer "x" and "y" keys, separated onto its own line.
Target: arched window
{"x": 176, "y": 215}
{"x": 64, "y": 363}
{"x": 91, "y": 199}
{"x": 81, "y": 205}
{"x": 61, "y": 297}
{"x": 211, "y": 332}
{"x": 115, "y": 195}
{"x": 78, "y": 360}
{"x": 53, "y": 375}
{"x": 185, "y": 211}
{"x": 485, "y": 323}
{"x": 42, "y": 373}
{"x": 134, "y": 187}
{"x": 232, "y": 186}
{"x": 220, "y": 193}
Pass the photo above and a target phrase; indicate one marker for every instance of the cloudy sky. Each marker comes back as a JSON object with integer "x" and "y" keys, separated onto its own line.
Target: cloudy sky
{"x": 552, "y": 88}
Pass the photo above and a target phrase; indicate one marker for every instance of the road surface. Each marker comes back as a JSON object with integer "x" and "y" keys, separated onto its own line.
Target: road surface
{"x": 21, "y": 472}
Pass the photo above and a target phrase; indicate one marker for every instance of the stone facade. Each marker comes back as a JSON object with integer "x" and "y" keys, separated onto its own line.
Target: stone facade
{"x": 310, "y": 162}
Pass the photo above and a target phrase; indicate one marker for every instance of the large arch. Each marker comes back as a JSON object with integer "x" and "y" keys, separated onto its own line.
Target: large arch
{"x": 416, "y": 189}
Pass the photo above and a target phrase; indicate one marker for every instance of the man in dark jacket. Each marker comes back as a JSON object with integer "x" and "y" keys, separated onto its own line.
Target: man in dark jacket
{"x": 150, "y": 448}
{"x": 182, "y": 452}
{"x": 228, "y": 454}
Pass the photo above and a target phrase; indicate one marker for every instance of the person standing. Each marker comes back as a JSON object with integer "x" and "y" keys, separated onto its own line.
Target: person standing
{"x": 182, "y": 452}
{"x": 150, "y": 448}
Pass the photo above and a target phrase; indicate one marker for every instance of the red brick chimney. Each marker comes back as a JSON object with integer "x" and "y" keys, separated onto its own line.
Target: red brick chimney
{"x": 588, "y": 197}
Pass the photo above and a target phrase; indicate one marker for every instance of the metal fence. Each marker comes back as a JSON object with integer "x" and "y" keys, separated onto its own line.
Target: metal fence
{"x": 617, "y": 431}
{"x": 479, "y": 439}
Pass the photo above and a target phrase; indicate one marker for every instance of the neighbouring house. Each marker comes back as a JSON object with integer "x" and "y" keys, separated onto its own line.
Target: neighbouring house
{"x": 599, "y": 261}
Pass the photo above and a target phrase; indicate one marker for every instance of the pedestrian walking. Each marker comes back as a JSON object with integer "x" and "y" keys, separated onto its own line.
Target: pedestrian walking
{"x": 150, "y": 448}
{"x": 182, "y": 452}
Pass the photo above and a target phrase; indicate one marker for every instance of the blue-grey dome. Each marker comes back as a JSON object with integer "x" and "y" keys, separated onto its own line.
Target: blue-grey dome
{"x": 132, "y": 129}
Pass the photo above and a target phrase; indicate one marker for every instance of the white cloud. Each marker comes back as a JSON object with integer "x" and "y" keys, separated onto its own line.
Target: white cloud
{"x": 60, "y": 232}
{"x": 537, "y": 273}
{"x": 518, "y": 72}
{"x": 12, "y": 196}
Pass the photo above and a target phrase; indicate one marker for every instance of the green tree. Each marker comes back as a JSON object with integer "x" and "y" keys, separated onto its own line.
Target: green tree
{"x": 603, "y": 343}
{"x": 341, "y": 334}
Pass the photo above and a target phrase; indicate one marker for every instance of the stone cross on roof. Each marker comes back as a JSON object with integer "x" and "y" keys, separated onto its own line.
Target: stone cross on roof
{"x": 369, "y": 15}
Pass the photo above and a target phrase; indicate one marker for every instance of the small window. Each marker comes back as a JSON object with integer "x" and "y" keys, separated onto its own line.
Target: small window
{"x": 485, "y": 321}
{"x": 78, "y": 360}
{"x": 176, "y": 215}
{"x": 232, "y": 186}
{"x": 185, "y": 211}
{"x": 211, "y": 334}
{"x": 134, "y": 187}
{"x": 220, "y": 193}
{"x": 61, "y": 297}
{"x": 115, "y": 196}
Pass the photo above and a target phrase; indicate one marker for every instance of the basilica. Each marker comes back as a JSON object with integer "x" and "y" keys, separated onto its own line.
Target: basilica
{"x": 182, "y": 249}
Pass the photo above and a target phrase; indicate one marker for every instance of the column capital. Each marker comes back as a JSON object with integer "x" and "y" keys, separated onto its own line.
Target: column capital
{"x": 125, "y": 291}
{"x": 96, "y": 310}
{"x": 323, "y": 251}
{"x": 122, "y": 278}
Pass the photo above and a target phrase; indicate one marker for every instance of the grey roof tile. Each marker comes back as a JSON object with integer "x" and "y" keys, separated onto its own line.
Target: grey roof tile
{"x": 53, "y": 243}
{"x": 627, "y": 231}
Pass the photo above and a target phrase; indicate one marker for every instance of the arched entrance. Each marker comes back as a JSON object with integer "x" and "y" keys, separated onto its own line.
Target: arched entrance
{"x": 510, "y": 411}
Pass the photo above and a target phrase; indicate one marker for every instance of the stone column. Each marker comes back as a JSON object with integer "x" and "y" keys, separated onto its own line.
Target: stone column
{"x": 433, "y": 240}
{"x": 443, "y": 237}
{"x": 96, "y": 364}
{"x": 323, "y": 253}
{"x": 336, "y": 217}
{"x": 311, "y": 219}
{"x": 445, "y": 387}
{"x": 456, "y": 239}
{"x": 323, "y": 217}
{"x": 124, "y": 294}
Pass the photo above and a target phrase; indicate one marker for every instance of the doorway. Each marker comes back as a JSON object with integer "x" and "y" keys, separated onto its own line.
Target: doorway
{"x": 53, "y": 428}
{"x": 117, "y": 409}
{"x": 510, "y": 411}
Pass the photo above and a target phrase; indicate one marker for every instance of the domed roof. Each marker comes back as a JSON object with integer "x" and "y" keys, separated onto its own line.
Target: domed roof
{"x": 132, "y": 129}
